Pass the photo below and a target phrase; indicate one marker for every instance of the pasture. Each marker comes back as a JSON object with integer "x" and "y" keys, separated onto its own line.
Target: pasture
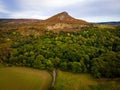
{"x": 71, "y": 81}
{"x": 21, "y": 78}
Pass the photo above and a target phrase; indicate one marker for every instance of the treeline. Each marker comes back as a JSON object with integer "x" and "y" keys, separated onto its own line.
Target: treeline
{"x": 92, "y": 50}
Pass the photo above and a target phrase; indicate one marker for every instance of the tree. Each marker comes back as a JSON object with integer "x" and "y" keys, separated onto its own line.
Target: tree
{"x": 56, "y": 62}
{"x": 38, "y": 62}
{"x": 76, "y": 67}
{"x": 63, "y": 66}
{"x": 49, "y": 65}
{"x": 95, "y": 68}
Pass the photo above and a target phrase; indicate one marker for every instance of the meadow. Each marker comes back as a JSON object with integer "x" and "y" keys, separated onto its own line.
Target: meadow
{"x": 21, "y": 78}
{"x": 72, "y": 81}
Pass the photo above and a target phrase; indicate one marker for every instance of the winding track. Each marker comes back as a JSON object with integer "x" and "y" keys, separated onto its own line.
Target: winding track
{"x": 54, "y": 77}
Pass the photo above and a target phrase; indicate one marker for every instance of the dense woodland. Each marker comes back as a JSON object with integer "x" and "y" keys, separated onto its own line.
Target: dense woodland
{"x": 90, "y": 50}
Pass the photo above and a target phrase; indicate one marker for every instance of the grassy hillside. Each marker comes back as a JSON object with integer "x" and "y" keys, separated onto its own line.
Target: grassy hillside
{"x": 18, "y": 78}
{"x": 71, "y": 81}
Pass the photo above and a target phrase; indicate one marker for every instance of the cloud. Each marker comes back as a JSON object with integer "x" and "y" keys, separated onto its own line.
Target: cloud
{"x": 97, "y": 8}
{"x": 2, "y": 8}
{"x": 41, "y": 8}
{"x": 100, "y": 18}
{"x": 86, "y": 9}
{"x": 28, "y": 15}
{"x": 48, "y": 3}
{"x": 4, "y": 13}
{"x": 48, "y": 8}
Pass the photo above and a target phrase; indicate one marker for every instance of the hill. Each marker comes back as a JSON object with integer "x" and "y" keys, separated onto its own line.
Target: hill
{"x": 111, "y": 23}
{"x": 18, "y": 21}
{"x": 64, "y": 17}
{"x": 59, "y": 22}
{"x": 64, "y": 22}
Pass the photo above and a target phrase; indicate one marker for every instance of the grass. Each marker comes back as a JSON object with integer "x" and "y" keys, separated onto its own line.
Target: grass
{"x": 1, "y": 65}
{"x": 105, "y": 26}
{"x": 71, "y": 81}
{"x": 21, "y": 78}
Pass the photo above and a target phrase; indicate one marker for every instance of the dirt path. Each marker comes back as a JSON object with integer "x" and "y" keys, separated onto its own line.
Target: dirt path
{"x": 54, "y": 77}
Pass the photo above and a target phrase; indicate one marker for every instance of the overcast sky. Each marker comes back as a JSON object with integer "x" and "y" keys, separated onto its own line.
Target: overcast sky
{"x": 89, "y": 10}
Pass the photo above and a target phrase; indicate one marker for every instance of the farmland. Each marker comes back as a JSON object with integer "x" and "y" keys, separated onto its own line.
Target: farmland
{"x": 20, "y": 78}
{"x": 72, "y": 81}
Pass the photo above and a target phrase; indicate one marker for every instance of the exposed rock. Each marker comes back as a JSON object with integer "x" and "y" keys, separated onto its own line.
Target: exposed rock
{"x": 58, "y": 26}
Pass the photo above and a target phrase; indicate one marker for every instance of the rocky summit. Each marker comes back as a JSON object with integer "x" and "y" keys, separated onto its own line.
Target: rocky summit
{"x": 64, "y": 22}
{"x": 64, "y": 17}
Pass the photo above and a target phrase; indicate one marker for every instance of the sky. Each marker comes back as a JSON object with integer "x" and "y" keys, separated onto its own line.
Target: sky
{"x": 88, "y": 10}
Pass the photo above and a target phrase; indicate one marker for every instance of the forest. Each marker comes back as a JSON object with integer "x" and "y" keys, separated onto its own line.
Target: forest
{"x": 91, "y": 50}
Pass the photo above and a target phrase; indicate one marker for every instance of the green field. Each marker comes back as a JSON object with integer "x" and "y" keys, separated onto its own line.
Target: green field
{"x": 20, "y": 78}
{"x": 70, "y": 81}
